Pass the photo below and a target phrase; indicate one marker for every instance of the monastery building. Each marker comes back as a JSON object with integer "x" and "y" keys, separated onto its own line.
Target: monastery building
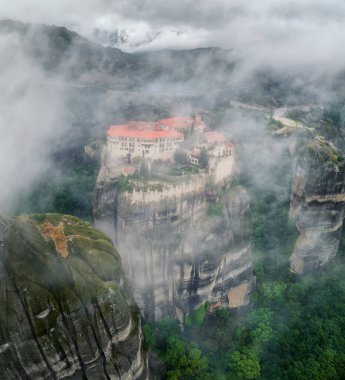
{"x": 160, "y": 139}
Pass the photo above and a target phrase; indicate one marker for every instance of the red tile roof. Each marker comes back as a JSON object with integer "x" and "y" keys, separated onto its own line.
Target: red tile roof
{"x": 177, "y": 122}
{"x": 142, "y": 125}
{"x": 129, "y": 170}
{"x": 150, "y": 134}
{"x": 214, "y": 137}
{"x": 229, "y": 145}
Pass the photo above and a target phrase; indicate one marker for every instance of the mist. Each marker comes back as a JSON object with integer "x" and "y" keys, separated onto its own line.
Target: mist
{"x": 31, "y": 119}
{"x": 65, "y": 91}
{"x": 286, "y": 35}
{"x": 60, "y": 91}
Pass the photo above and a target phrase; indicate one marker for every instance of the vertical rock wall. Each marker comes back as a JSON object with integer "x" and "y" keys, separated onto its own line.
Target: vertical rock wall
{"x": 181, "y": 251}
{"x": 318, "y": 205}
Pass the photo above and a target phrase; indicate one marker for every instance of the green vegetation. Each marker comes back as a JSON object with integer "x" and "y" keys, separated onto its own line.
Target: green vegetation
{"x": 181, "y": 157}
{"x": 184, "y": 170}
{"x": 124, "y": 184}
{"x": 327, "y": 137}
{"x": 143, "y": 170}
{"x": 184, "y": 361}
{"x": 215, "y": 209}
{"x": 69, "y": 191}
{"x": 275, "y": 124}
{"x": 296, "y": 114}
{"x": 322, "y": 151}
{"x": 83, "y": 285}
{"x": 295, "y": 329}
{"x": 204, "y": 158}
{"x": 165, "y": 169}
{"x": 245, "y": 364}
{"x": 197, "y": 317}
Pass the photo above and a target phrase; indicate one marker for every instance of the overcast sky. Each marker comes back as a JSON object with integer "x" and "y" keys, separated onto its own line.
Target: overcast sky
{"x": 286, "y": 31}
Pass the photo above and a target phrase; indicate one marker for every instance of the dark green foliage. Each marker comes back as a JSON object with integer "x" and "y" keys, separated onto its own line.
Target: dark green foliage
{"x": 124, "y": 184}
{"x": 203, "y": 158}
{"x": 39, "y": 217}
{"x": 235, "y": 181}
{"x": 143, "y": 170}
{"x": 197, "y": 317}
{"x": 167, "y": 171}
{"x": 275, "y": 124}
{"x": 245, "y": 364}
{"x": 185, "y": 361}
{"x": 180, "y": 157}
{"x": 67, "y": 192}
{"x": 321, "y": 152}
{"x": 215, "y": 209}
{"x": 156, "y": 335}
{"x": 296, "y": 114}
{"x": 295, "y": 330}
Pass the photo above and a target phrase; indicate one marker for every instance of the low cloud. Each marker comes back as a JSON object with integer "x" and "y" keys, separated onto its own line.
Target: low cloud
{"x": 30, "y": 119}
{"x": 296, "y": 38}
{"x": 298, "y": 33}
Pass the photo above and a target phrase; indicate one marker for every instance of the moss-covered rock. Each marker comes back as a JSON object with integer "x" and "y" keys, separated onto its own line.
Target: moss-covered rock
{"x": 66, "y": 309}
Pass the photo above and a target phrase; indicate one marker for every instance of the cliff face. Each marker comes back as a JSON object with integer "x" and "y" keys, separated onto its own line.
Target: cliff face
{"x": 66, "y": 311}
{"x": 180, "y": 250}
{"x": 318, "y": 205}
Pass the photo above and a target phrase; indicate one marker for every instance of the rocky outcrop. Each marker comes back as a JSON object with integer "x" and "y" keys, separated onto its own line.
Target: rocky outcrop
{"x": 66, "y": 310}
{"x": 318, "y": 190}
{"x": 180, "y": 248}
{"x": 318, "y": 205}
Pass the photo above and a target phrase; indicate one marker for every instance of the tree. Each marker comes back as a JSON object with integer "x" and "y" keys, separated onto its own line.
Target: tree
{"x": 175, "y": 357}
{"x": 123, "y": 183}
{"x": 185, "y": 362}
{"x": 197, "y": 364}
{"x": 245, "y": 363}
{"x": 143, "y": 170}
{"x": 180, "y": 157}
{"x": 203, "y": 158}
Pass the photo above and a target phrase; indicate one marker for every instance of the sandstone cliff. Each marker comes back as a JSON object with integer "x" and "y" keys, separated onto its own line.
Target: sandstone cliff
{"x": 318, "y": 205}
{"x": 66, "y": 310}
{"x": 181, "y": 247}
{"x": 318, "y": 190}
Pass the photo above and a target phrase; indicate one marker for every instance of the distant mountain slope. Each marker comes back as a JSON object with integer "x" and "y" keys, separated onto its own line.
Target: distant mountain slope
{"x": 208, "y": 67}
{"x": 59, "y": 50}
{"x": 214, "y": 73}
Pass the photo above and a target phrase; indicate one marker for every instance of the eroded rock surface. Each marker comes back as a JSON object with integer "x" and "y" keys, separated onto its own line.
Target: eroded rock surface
{"x": 66, "y": 310}
{"x": 318, "y": 205}
{"x": 180, "y": 251}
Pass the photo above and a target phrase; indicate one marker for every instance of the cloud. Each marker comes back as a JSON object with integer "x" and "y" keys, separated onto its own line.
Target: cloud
{"x": 296, "y": 32}
{"x": 286, "y": 36}
{"x": 30, "y": 119}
